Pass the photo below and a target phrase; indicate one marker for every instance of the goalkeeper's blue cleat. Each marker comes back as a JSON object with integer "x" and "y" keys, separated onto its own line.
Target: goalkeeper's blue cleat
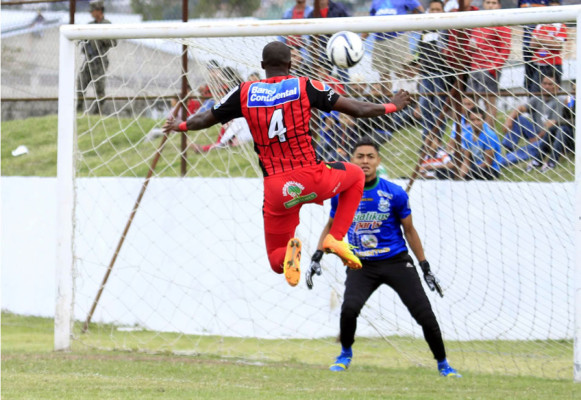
{"x": 292, "y": 262}
{"x": 447, "y": 371}
{"x": 341, "y": 363}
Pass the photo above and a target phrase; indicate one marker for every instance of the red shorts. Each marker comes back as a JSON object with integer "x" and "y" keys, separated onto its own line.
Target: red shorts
{"x": 284, "y": 194}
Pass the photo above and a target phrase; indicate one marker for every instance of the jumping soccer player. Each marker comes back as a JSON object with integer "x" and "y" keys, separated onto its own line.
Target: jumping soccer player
{"x": 376, "y": 233}
{"x": 278, "y": 111}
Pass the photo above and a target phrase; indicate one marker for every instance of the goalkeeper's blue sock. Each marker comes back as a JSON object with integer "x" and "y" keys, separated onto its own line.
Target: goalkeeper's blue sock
{"x": 346, "y": 352}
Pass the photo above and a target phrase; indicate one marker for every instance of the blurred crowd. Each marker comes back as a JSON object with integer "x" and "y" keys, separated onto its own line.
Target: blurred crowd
{"x": 454, "y": 75}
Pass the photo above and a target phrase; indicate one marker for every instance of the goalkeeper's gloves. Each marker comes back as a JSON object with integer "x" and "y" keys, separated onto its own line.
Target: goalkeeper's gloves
{"x": 315, "y": 268}
{"x": 431, "y": 280}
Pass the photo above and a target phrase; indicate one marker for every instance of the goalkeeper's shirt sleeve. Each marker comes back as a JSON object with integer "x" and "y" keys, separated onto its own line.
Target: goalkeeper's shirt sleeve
{"x": 401, "y": 203}
{"x": 229, "y": 107}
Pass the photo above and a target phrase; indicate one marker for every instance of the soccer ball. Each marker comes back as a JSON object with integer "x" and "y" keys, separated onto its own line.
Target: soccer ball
{"x": 345, "y": 49}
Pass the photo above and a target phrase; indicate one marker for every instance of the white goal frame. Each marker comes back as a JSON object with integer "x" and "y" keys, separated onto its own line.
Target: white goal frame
{"x": 66, "y": 111}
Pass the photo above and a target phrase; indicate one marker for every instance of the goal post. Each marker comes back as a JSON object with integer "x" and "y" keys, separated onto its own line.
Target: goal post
{"x": 65, "y": 185}
{"x": 192, "y": 276}
{"x": 577, "y": 338}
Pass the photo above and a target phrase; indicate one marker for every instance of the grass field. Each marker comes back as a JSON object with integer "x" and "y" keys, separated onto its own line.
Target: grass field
{"x": 115, "y": 147}
{"x": 31, "y": 370}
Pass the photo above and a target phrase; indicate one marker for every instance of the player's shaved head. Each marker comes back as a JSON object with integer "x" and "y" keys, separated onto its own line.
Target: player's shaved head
{"x": 276, "y": 54}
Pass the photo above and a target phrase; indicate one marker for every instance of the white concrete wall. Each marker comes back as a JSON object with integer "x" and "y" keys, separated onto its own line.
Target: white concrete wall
{"x": 194, "y": 259}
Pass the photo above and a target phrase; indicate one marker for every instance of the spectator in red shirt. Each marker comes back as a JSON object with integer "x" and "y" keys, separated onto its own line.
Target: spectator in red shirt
{"x": 547, "y": 44}
{"x": 193, "y": 104}
{"x": 457, "y": 50}
{"x": 489, "y": 49}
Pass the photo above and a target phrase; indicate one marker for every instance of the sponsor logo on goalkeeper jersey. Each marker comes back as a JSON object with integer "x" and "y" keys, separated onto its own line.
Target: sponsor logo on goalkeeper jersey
{"x": 263, "y": 94}
{"x": 370, "y": 216}
{"x": 369, "y": 221}
{"x": 384, "y": 194}
{"x": 369, "y": 241}
{"x": 371, "y": 253}
{"x": 294, "y": 190}
{"x": 369, "y": 226}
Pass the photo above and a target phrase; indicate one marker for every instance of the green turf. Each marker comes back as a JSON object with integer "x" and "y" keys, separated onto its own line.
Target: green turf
{"x": 547, "y": 359}
{"x": 115, "y": 147}
{"x": 31, "y": 370}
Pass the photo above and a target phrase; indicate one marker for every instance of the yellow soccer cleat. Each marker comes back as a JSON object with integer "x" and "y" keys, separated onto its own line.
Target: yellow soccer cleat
{"x": 292, "y": 262}
{"x": 343, "y": 250}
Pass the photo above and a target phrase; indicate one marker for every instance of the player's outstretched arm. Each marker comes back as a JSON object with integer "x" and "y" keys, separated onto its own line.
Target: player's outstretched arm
{"x": 364, "y": 109}
{"x": 195, "y": 122}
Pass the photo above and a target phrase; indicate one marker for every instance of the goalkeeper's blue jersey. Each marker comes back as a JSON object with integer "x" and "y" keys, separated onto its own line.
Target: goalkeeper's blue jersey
{"x": 376, "y": 230}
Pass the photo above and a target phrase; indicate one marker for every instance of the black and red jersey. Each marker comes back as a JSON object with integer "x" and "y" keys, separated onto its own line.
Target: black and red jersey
{"x": 278, "y": 112}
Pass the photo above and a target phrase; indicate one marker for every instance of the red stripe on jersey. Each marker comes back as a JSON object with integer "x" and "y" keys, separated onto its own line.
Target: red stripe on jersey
{"x": 281, "y": 134}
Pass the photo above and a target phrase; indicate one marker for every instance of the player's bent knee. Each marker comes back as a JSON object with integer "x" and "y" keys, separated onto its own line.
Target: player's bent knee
{"x": 276, "y": 260}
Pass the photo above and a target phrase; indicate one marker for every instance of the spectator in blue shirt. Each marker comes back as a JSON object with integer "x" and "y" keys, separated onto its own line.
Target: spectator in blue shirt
{"x": 481, "y": 149}
{"x": 541, "y": 122}
{"x": 299, "y": 10}
{"x": 329, "y": 137}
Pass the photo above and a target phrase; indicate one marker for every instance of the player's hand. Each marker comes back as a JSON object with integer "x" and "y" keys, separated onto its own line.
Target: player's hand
{"x": 401, "y": 99}
{"x": 171, "y": 125}
{"x": 431, "y": 280}
{"x": 315, "y": 268}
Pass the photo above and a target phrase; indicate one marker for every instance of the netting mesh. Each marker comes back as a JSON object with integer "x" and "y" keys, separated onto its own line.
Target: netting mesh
{"x": 488, "y": 162}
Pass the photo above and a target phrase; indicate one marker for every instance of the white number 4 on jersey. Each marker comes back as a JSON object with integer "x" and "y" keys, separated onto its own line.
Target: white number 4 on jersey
{"x": 276, "y": 126}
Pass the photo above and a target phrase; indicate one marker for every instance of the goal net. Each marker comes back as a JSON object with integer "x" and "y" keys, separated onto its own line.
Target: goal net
{"x": 162, "y": 245}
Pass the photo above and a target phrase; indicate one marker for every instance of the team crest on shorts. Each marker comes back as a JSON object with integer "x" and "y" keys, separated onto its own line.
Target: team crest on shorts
{"x": 295, "y": 190}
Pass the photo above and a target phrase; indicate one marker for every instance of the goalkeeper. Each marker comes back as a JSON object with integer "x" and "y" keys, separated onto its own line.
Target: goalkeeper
{"x": 377, "y": 237}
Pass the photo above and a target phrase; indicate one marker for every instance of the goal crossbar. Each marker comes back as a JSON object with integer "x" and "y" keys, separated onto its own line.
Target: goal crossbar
{"x": 322, "y": 25}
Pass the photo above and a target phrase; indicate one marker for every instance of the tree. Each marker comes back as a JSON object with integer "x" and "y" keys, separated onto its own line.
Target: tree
{"x": 226, "y": 8}
{"x": 172, "y": 9}
{"x": 160, "y": 9}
